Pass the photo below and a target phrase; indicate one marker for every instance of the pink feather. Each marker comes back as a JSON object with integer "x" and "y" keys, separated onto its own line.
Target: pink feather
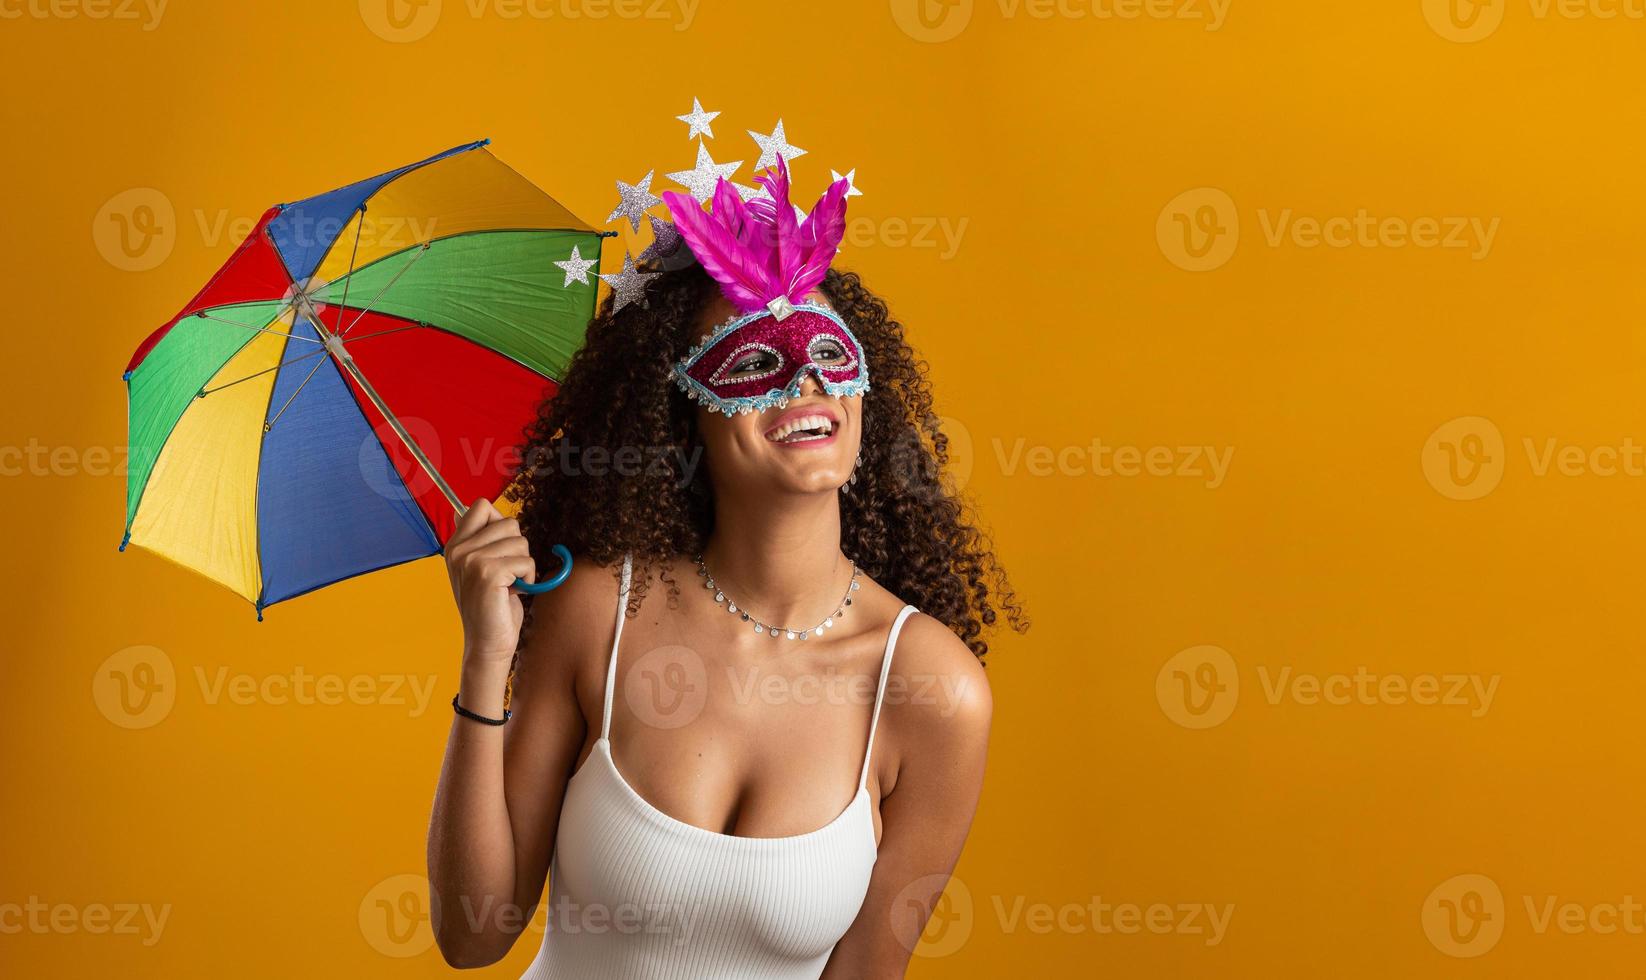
{"x": 786, "y": 255}
{"x": 757, "y": 250}
{"x": 821, "y": 236}
{"x": 722, "y": 255}
{"x": 729, "y": 210}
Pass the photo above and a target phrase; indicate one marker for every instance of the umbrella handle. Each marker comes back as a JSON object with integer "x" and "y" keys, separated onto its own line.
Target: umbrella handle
{"x": 538, "y": 588}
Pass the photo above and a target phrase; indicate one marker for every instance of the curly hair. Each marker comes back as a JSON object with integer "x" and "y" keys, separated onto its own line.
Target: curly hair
{"x": 613, "y": 461}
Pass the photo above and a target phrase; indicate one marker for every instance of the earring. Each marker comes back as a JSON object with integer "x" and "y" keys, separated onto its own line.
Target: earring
{"x": 847, "y": 486}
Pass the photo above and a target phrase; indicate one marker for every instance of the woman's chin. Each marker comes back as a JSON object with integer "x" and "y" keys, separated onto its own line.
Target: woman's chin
{"x": 812, "y": 480}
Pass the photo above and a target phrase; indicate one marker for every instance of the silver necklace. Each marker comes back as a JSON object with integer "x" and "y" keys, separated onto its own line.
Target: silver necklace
{"x": 721, "y": 598}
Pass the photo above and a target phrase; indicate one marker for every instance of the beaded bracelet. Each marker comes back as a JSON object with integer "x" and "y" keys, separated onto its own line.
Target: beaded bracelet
{"x": 507, "y": 714}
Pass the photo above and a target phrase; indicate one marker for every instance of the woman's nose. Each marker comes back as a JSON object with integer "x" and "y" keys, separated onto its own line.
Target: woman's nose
{"x": 809, "y": 384}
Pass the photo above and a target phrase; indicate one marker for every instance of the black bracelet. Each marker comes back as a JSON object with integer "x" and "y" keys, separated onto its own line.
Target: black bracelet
{"x": 507, "y": 714}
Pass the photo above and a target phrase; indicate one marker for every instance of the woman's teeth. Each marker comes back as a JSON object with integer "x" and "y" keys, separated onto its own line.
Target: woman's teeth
{"x": 803, "y": 429}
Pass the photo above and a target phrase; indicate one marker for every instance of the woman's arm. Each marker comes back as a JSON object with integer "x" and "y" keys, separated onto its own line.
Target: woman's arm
{"x": 492, "y": 830}
{"x": 938, "y": 723}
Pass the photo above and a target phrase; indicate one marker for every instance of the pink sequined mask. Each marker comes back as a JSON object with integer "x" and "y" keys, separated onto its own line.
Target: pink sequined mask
{"x": 757, "y": 361}
{"x": 767, "y": 261}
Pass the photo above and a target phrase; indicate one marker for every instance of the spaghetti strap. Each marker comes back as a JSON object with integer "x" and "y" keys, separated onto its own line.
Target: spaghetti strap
{"x": 617, "y": 634}
{"x": 880, "y": 691}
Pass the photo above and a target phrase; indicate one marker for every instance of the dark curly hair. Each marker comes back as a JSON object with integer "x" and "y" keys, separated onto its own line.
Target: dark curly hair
{"x": 613, "y": 463}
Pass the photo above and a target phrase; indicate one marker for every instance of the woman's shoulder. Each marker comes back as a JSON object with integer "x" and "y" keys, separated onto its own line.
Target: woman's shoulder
{"x": 574, "y": 617}
{"x": 930, "y": 656}
{"x": 937, "y": 694}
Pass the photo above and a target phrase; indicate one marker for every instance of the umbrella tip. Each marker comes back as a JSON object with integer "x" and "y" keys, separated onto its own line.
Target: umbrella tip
{"x": 125, "y": 540}
{"x": 125, "y": 375}
{"x": 486, "y": 142}
{"x": 259, "y": 610}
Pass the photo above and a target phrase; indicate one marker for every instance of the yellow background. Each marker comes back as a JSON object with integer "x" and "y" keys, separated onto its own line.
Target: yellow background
{"x": 1365, "y": 390}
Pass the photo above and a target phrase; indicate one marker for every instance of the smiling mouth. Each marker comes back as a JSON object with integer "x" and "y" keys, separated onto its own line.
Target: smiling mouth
{"x": 805, "y": 428}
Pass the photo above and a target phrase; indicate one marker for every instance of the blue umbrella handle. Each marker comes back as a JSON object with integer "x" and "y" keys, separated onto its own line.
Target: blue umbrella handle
{"x": 552, "y": 582}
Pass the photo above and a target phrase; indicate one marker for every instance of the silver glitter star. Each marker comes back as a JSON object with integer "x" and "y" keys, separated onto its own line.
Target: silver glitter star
{"x": 629, "y": 285}
{"x": 636, "y": 199}
{"x": 851, "y": 181}
{"x": 771, "y": 146}
{"x": 699, "y": 121}
{"x": 700, "y": 180}
{"x": 665, "y": 240}
{"x": 577, "y": 267}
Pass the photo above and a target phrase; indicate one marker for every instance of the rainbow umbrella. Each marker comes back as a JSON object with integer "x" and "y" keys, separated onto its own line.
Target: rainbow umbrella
{"x": 364, "y": 363}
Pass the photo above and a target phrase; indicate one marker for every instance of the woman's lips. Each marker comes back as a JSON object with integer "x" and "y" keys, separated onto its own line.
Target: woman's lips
{"x": 803, "y": 427}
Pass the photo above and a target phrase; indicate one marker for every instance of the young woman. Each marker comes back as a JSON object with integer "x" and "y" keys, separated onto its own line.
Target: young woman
{"x": 748, "y": 732}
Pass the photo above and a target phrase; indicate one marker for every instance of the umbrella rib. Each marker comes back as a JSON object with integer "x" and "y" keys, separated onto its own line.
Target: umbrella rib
{"x": 246, "y": 326}
{"x": 348, "y": 279}
{"x": 297, "y": 360}
{"x": 229, "y": 384}
{"x": 270, "y": 423}
{"x": 373, "y": 303}
{"x": 381, "y": 333}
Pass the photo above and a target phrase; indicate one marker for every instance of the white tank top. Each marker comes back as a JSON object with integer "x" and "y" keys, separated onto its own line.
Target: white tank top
{"x": 638, "y": 895}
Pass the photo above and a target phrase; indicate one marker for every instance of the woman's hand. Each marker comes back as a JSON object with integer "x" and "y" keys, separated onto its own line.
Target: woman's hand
{"x": 485, "y": 555}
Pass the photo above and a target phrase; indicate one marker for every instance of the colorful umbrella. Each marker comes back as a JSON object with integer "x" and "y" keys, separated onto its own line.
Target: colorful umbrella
{"x": 364, "y": 363}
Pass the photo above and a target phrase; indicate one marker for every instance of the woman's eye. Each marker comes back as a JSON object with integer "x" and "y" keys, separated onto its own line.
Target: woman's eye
{"x": 754, "y": 363}
{"x": 828, "y": 352}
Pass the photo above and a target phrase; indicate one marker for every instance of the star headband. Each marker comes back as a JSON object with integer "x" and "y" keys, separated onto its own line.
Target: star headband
{"x": 768, "y": 256}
